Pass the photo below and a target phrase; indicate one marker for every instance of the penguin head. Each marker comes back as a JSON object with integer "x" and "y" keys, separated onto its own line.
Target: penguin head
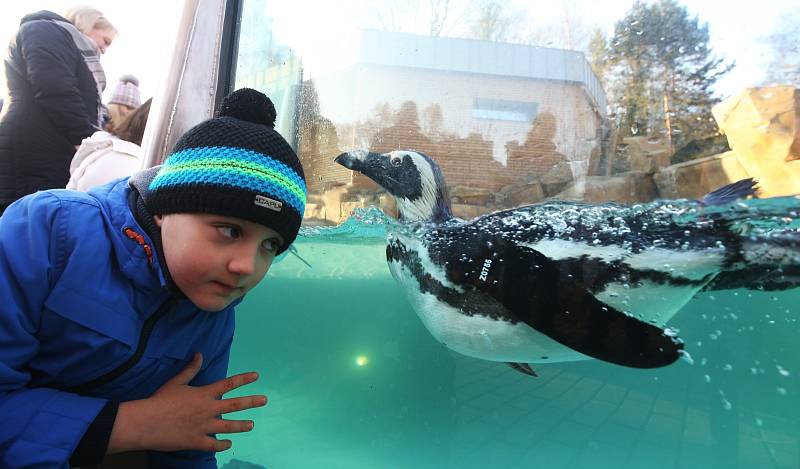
{"x": 411, "y": 177}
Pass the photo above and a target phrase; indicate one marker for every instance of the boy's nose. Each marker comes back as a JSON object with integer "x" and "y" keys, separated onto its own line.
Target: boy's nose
{"x": 242, "y": 264}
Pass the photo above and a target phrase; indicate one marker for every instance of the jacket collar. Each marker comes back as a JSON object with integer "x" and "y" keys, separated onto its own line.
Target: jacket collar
{"x": 136, "y": 252}
{"x": 125, "y": 204}
{"x": 139, "y": 184}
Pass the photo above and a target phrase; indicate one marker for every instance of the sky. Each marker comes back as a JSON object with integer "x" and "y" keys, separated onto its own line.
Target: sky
{"x": 147, "y": 29}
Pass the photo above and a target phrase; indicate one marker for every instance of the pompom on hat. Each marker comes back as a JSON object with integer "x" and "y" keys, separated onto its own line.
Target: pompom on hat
{"x": 234, "y": 165}
{"x": 127, "y": 92}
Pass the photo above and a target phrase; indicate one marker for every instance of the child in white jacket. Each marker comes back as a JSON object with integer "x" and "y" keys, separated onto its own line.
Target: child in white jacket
{"x": 109, "y": 155}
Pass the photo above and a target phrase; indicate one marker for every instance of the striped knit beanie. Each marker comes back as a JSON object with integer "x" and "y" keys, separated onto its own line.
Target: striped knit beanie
{"x": 235, "y": 165}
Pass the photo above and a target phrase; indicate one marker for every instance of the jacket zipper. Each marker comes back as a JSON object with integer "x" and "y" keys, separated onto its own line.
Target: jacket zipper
{"x": 147, "y": 329}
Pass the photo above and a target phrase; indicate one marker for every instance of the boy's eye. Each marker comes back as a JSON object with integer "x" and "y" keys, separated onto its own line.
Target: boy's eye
{"x": 271, "y": 245}
{"x": 231, "y": 232}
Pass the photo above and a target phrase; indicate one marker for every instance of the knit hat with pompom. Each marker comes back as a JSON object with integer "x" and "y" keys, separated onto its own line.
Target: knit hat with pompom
{"x": 127, "y": 92}
{"x": 235, "y": 165}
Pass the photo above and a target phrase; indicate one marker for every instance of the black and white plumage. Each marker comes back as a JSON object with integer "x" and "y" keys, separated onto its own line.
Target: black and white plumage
{"x": 557, "y": 281}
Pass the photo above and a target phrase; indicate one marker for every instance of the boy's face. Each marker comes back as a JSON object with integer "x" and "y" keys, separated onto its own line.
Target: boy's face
{"x": 215, "y": 260}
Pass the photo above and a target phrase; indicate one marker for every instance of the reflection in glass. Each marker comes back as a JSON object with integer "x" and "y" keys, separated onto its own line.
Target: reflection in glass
{"x": 520, "y": 103}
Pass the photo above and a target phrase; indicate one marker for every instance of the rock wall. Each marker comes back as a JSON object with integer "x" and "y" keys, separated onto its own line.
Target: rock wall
{"x": 763, "y": 130}
{"x": 762, "y": 126}
{"x": 693, "y": 179}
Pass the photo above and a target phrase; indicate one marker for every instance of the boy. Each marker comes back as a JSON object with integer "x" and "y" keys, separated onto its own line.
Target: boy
{"x": 116, "y": 306}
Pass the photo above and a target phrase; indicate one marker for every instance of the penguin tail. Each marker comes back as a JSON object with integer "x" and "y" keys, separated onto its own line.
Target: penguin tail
{"x": 733, "y": 191}
{"x": 756, "y": 259}
{"x": 765, "y": 262}
{"x": 779, "y": 249}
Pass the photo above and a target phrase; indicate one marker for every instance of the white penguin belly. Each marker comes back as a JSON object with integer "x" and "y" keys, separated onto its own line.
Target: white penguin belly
{"x": 480, "y": 336}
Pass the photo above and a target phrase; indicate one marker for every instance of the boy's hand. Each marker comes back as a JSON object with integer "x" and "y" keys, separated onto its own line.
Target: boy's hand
{"x": 181, "y": 417}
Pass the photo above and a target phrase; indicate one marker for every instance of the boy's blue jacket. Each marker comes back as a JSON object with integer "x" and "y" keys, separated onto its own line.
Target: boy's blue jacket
{"x": 76, "y": 286}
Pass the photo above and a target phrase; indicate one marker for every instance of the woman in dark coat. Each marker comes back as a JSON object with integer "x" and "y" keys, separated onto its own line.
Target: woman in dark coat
{"x": 55, "y": 82}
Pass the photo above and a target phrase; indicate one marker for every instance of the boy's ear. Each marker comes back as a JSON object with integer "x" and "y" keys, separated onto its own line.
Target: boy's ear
{"x": 159, "y": 219}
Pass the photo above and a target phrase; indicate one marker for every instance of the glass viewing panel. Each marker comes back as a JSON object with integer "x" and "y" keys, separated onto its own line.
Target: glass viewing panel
{"x": 598, "y": 113}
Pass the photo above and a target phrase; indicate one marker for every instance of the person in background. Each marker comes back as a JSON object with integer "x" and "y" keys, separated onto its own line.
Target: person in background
{"x": 124, "y": 100}
{"x": 55, "y": 82}
{"x": 112, "y": 154}
{"x": 117, "y": 304}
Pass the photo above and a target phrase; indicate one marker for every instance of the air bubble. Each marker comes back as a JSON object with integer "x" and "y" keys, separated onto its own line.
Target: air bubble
{"x": 726, "y": 404}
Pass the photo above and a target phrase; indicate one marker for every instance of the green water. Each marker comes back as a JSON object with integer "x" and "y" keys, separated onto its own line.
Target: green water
{"x": 355, "y": 381}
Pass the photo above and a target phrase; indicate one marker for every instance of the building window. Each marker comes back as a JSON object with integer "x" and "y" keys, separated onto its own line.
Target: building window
{"x": 496, "y": 109}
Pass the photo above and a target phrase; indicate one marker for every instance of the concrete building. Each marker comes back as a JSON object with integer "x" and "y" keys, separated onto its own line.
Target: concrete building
{"x": 488, "y": 112}
{"x": 495, "y": 116}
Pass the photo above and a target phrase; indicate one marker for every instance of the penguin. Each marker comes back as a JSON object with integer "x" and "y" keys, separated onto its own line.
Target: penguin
{"x": 559, "y": 281}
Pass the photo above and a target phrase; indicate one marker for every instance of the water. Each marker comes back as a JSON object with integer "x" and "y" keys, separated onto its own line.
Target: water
{"x": 355, "y": 381}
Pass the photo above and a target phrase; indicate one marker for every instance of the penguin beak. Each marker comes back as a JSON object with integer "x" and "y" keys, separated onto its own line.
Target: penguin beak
{"x": 349, "y": 161}
{"x": 378, "y": 167}
{"x": 360, "y": 161}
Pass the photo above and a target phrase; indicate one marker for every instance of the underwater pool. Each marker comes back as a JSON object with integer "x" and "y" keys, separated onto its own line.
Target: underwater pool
{"x": 355, "y": 381}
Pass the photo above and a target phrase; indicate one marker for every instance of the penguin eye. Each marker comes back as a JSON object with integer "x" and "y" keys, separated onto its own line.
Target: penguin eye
{"x": 396, "y": 161}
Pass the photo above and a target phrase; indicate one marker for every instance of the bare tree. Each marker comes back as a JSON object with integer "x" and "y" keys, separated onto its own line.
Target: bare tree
{"x": 543, "y": 35}
{"x": 395, "y": 15}
{"x": 434, "y": 17}
{"x": 597, "y": 54}
{"x": 576, "y": 33}
{"x": 449, "y": 17}
{"x": 784, "y": 68}
{"x": 569, "y": 31}
{"x": 495, "y": 21}
{"x": 488, "y": 20}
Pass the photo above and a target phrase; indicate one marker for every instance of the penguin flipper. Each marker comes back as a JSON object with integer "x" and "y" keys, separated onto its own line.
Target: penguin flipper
{"x": 561, "y": 307}
{"x": 523, "y": 368}
{"x": 293, "y": 251}
{"x": 543, "y": 293}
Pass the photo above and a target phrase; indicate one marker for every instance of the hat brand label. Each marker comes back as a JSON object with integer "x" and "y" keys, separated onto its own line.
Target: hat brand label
{"x": 266, "y": 202}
